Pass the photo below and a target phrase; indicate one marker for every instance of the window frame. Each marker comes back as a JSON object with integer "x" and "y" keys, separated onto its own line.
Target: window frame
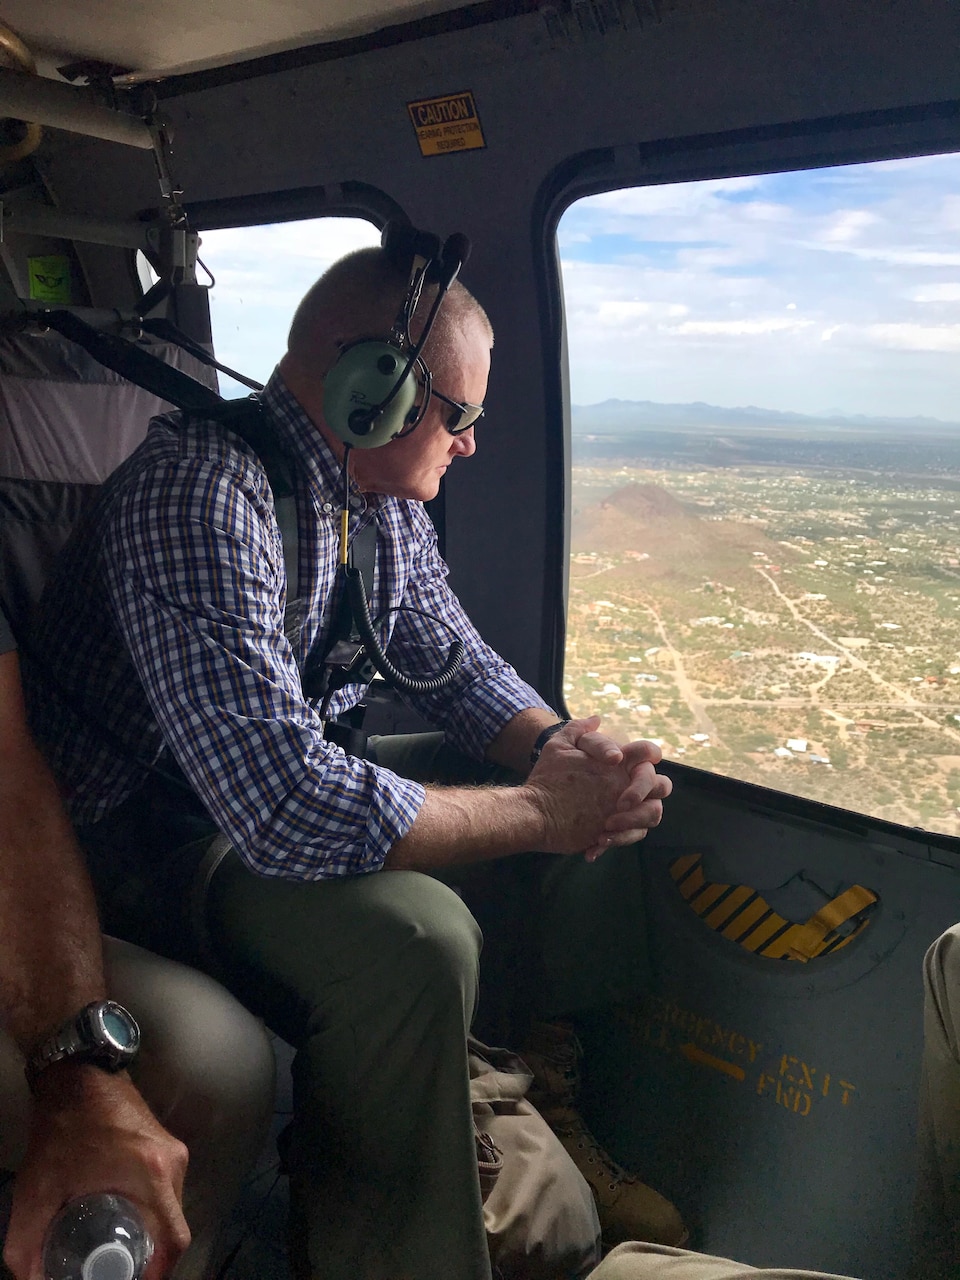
{"x": 855, "y": 138}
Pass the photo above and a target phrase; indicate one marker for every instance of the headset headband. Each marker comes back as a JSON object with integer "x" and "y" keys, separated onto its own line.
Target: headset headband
{"x": 370, "y": 394}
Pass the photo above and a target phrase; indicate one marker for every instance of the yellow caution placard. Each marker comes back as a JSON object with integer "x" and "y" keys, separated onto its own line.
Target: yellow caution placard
{"x": 447, "y": 124}
{"x": 50, "y": 278}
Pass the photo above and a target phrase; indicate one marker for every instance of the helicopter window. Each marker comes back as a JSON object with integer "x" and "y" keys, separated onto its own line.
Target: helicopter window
{"x": 765, "y": 536}
{"x": 260, "y": 275}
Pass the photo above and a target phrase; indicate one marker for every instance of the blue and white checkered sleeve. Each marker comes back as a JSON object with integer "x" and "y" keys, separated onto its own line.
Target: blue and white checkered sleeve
{"x": 487, "y": 692}
{"x": 194, "y": 567}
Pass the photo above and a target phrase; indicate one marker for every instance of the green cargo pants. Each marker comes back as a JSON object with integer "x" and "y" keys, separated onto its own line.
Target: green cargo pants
{"x": 374, "y": 980}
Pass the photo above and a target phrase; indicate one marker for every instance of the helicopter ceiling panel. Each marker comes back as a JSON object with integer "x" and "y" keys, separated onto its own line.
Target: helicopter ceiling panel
{"x": 180, "y": 35}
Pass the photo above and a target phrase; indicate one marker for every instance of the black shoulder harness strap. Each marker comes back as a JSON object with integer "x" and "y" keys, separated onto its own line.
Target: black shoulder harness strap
{"x": 134, "y": 363}
{"x": 245, "y": 418}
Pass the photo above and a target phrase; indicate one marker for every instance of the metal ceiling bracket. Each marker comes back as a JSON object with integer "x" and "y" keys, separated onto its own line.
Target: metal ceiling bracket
{"x": 61, "y": 106}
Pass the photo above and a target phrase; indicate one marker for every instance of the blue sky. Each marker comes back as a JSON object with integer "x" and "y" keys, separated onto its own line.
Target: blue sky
{"x": 833, "y": 289}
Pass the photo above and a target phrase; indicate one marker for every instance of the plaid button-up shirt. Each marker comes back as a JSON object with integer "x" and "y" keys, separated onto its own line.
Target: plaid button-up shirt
{"x": 163, "y": 623}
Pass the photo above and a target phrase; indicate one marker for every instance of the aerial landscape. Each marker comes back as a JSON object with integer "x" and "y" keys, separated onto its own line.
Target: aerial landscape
{"x": 775, "y": 597}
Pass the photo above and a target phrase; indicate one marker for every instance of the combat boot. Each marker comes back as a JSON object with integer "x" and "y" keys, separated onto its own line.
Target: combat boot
{"x": 627, "y": 1208}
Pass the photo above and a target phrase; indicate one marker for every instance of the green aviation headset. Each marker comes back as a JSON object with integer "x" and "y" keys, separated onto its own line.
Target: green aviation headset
{"x": 379, "y": 388}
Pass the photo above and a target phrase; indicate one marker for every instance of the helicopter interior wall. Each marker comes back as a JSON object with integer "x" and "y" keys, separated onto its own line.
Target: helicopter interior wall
{"x": 775, "y": 1100}
{"x": 827, "y": 1186}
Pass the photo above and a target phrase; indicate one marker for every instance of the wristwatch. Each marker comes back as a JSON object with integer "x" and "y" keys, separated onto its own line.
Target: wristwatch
{"x": 103, "y": 1033}
{"x": 544, "y": 737}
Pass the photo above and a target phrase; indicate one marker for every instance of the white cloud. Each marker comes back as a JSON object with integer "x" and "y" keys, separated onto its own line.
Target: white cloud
{"x": 944, "y": 292}
{"x": 916, "y": 337}
{"x": 739, "y": 328}
{"x": 847, "y": 224}
{"x": 615, "y": 312}
{"x": 897, "y": 337}
{"x": 681, "y": 197}
{"x": 766, "y": 211}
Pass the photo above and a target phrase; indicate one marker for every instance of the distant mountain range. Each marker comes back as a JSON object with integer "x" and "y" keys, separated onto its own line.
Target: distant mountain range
{"x": 616, "y": 416}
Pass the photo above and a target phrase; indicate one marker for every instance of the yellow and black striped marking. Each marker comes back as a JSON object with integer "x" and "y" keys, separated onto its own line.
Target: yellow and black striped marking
{"x": 740, "y": 914}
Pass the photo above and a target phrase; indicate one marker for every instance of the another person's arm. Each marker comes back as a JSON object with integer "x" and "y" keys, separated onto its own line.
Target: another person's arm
{"x": 89, "y": 1131}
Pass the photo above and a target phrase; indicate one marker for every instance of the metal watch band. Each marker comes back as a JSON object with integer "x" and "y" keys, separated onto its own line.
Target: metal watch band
{"x": 76, "y": 1041}
{"x": 65, "y": 1043}
{"x": 544, "y": 737}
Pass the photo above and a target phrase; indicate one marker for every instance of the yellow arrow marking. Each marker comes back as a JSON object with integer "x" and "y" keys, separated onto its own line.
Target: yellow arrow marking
{"x": 694, "y": 1054}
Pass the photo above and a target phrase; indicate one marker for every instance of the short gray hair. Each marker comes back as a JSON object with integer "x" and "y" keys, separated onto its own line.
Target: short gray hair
{"x": 359, "y": 297}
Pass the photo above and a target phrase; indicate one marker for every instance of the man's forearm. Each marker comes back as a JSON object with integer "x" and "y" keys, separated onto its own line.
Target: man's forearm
{"x": 513, "y": 744}
{"x": 583, "y": 795}
{"x": 460, "y": 825}
{"x": 50, "y": 950}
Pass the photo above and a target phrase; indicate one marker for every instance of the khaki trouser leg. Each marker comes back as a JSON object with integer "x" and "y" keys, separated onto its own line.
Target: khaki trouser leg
{"x": 937, "y": 1235}
{"x": 659, "y": 1262}
{"x": 205, "y": 1068}
{"x": 373, "y": 979}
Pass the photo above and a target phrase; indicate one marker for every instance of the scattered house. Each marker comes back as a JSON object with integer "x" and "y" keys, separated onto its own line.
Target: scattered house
{"x": 782, "y": 753}
{"x": 797, "y": 744}
{"x": 814, "y": 595}
{"x": 889, "y": 626}
{"x": 699, "y": 737}
{"x": 820, "y": 659}
{"x": 644, "y": 677}
{"x": 636, "y": 555}
{"x": 612, "y": 690}
{"x": 648, "y": 653}
{"x": 643, "y": 708}
{"x": 818, "y": 759}
{"x": 821, "y": 564}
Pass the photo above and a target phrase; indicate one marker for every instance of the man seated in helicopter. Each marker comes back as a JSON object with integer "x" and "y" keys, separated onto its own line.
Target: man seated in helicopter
{"x": 202, "y": 710}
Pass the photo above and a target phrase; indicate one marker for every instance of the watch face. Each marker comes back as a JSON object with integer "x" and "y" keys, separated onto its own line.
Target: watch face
{"x": 118, "y": 1029}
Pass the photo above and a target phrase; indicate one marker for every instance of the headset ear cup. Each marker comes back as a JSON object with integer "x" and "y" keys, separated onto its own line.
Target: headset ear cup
{"x": 363, "y": 377}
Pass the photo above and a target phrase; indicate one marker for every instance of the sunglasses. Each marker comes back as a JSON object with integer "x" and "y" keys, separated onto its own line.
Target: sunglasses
{"x": 461, "y": 416}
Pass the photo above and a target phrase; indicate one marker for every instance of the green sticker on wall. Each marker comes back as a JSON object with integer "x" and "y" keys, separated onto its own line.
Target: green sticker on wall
{"x": 50, "y": 278}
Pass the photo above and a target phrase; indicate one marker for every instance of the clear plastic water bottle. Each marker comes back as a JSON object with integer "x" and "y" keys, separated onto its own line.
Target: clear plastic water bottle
{"x": 97, "y": 1237}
